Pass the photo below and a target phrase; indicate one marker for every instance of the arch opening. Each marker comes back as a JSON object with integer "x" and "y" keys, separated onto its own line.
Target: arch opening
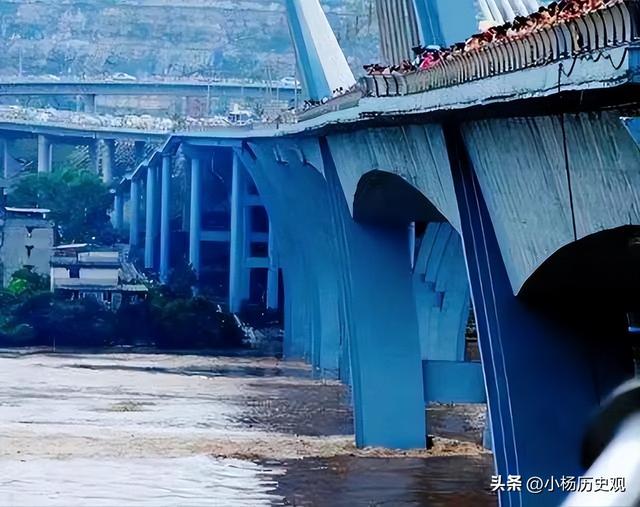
{"x": 383, "y": 198}
{"x": 591, "y": 288}
{"x": 390, "y": 204}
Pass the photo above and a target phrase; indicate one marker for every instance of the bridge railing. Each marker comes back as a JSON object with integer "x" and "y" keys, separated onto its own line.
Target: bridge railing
{"x": 614, "y": 26}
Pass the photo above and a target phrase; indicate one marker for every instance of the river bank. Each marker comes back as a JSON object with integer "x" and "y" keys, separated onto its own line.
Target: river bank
{"x": 191, "y": 430}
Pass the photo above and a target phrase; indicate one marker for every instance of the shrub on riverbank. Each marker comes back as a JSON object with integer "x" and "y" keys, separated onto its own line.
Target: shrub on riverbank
{"x": 31, "y": 316}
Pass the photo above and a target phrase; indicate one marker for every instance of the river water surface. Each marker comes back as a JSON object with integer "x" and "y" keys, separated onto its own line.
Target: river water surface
{"x": 169, "y": 430}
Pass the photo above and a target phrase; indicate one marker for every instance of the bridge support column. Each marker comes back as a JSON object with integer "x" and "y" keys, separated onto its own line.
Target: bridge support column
{"x": 5, "y": 157}
{"x": 547, "y": 364}
{"x": 134, "y": 220}
{"x": 89, "y": 103}
{"x": 380, "y": 369}
{"x": 442, "y": 299}
{"x": 195, "y": 215}
{"x": 95, "y": 149}
{"x": 412, "y": 244}
{"x": 337, "y": 280}
{"x": 139, "y": 149}
{"x": 272, "y": 277}
{"x": 44, "y": 154}
{"x": 165, "y": 219}
{"x": 118, "y": 211}
{"x": 108, "y": 159}
{"x": 150, "y": 218}
{"x": 239, "y": 245}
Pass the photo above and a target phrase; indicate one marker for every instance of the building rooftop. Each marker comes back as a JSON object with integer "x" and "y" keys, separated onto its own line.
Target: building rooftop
{"x": 28, "y": 211}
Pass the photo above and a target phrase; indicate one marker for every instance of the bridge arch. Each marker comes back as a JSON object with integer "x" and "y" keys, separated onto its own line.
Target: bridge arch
{"x": 386, "y": 198}
{"x": 440, "y": 288}
{"x": 589, "y": 288}
{"x": 605, "y": 262}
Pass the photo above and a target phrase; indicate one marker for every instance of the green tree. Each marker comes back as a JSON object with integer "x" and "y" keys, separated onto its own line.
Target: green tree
{"x": 26, "y": 282}
{"x": 78, "y": 200}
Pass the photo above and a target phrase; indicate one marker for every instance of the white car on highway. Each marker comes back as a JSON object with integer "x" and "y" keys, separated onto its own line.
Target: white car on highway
{"x": 289, "y": 82}
{"x": 123, "y": 76}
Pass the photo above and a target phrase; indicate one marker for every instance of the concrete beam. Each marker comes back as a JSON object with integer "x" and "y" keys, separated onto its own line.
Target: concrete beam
{"x": 453, "y": 382}
{"x": 215, "y": 236}
{"x": 256, "y": 263}
{"x": 322, "y": 63}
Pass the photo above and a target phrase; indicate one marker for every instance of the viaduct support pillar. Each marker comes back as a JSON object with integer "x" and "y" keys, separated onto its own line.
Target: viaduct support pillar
{"x": 272, "y": 277}
{"x": 44, "y": 154}
{"x": 150, "y": 215}
{"x": 139, "y": 151}
{"x": 134, "y": 220}
{"x": 547, "y": 364}
{"x": 442, "y": 299}
{"x": 108, "y": 159}
{"x": 165, "y": 219}
{"x": 118, "y": 211}
{"x": 5, "y": 157}
{"x": 89, "y": 103}
{"x": 412, "y": 244}
{"x": 238, "y": 273}
{"x": 195, "y": 215}
{"x": 95, "y": 149}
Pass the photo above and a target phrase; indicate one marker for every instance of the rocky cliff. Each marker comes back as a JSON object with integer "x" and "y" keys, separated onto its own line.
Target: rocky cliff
{"x": 239, "y": 38}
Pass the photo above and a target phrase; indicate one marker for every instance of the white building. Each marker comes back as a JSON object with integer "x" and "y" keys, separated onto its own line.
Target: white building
{"x": 85, "y": 271}
{"x": 26, "y": 239}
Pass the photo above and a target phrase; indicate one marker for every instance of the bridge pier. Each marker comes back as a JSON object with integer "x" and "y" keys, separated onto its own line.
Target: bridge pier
{"x": 165, "y": 219}
{"x": 139, "y": 150}
{"x": 118, "y": 211}
{"x": 5, "y": 157}
{"x": 239, "y": 277}
{"x": 555, "y": 347}
{"x": 195, "y": 215}
{"x": 273, "y": 276}
{"x": 95, "y": 150}
{"x": 336, "y": 278}
{"x": 90, "y": 104}
{"x": 290, "y": 191}
{"x": 442, "y": 296}
{"x": 150, "y": 218}
{"x": 44, "y": 154}
{"x": 399, "y": 176}
{"x": 134, "y": 219}
{"x": 108, "y": 160}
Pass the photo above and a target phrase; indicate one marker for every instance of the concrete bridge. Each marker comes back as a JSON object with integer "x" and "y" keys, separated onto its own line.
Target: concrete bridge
{"x": 99, "y": 133}
{"x": 505, "y": 181}
{"x": 511, "y": 187}
{"x": 90, "y": 89}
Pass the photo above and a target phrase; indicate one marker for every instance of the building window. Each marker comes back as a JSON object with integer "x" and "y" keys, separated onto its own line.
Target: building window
{"x": 74, "y": 272}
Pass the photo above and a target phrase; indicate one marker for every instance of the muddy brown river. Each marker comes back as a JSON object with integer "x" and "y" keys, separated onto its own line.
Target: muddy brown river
{"x": 187, "y": 430}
